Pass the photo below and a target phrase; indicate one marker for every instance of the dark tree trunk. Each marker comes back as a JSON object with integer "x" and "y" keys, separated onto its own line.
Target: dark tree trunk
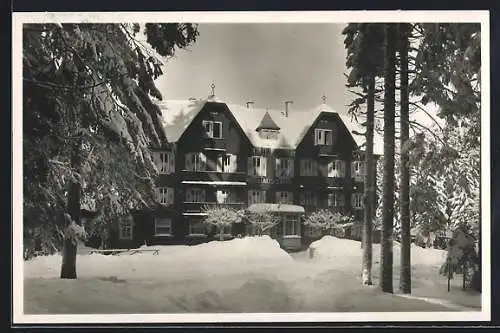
{"x": 404, "y": 194}
{"x": 388, "y": 174}
{"x": 68, "y": 267}
{"x": 369, "y": 188}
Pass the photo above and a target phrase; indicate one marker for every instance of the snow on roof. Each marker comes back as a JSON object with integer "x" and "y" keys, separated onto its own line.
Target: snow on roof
{"x": 178, "y": 114}
{"x": 194, "y": 214}
{"x": 280, "y": 208}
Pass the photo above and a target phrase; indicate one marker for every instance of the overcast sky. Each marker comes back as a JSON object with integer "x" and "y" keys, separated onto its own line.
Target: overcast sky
{"x": 264, "y": 63}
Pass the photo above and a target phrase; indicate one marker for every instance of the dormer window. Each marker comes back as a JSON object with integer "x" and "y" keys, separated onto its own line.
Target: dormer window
{"x": 268, "y": 134}
{"x": 213, "y": 129}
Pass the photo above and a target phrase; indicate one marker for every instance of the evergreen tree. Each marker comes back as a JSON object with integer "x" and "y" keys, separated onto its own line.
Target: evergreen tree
{"x": 87, "y": 105}
{"x": 388, "y": 176}
{"x": 364, "y": 44}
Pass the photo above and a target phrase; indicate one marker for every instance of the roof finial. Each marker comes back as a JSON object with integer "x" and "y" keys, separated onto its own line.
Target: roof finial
{"x": 323, "y": 98}
{"x": 213, "y": 89}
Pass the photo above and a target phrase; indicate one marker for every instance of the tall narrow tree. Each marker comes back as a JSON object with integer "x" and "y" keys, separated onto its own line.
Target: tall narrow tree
{"x": 364, "y": 44}
{"x": 388, "y": 174}
{"x": 404, "y": 187}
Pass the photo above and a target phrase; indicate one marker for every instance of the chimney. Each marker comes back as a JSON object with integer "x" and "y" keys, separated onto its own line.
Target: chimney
{"x": 250, "y": 105}
{"x": 287, "y": 108}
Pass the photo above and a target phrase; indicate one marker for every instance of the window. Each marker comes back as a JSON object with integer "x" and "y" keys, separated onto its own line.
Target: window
{"x": 284, "y": 197}
{"x": 227, "y": 163}
{"x": 197, "y": 229}
{"x": 291, "y": 227}
{"x": 323, "y": 137}
{"x": 165, "y": 195}
{"x": 358, "y": 170}
{"x": 357, "y": 200}
{"x": 336, "y": 168}
{"x": 335, "y": 199}
{"x": 195, "y": 195}
{"x": 257, "y": 166}
{"x": 308, "y": 198}
{"x": 196, "y": 162}
{"x": 226, "y": 196}
{"x": 256, "y": 196}
{"x": 267, "y": 134}
{"x": 163, "y": 226}
{"x": 165, "y": 162}
{"x": 308, "y": 167}
{"x": 213, "y": 129}
{"x": 125, "y": 228}
{"x": 284, "y": 167}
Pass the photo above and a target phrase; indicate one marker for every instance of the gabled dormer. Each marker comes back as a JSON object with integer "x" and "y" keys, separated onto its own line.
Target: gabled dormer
{"x": 267, "y": 128}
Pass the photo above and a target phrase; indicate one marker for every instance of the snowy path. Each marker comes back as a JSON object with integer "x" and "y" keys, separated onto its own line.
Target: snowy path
{"x": 227, "y": 277}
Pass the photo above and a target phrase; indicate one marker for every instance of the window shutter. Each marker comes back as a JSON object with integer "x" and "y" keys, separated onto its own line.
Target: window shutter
{"x": 171, "y": 162}
{"x": 203, "y": 161}
{"x": 249, "y": 166}
{"x": 189, "y": 195}
{"x": 202, "y": 194}
{"x": 290, "y": 167}
{"x": 157, "y": 194}
{"x": 220, "y": 161}
{"x": 314, "y": 167}
{"x": 170, "y": 196}
{"x": 233, "y": 159}
{"x": 189, "y": 165}
{"x": 263, "y": 166}
{"x": 157, "y": 160}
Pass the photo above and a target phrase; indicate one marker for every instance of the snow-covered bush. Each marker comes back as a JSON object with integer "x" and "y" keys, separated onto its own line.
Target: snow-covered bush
{"x": 328, "y": 222}
{"x": 261, "y": 222}
{"x": 221, "y": 218}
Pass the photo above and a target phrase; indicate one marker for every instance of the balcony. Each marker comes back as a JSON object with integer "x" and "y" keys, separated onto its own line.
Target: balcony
{"x": 321, "y": 182}
{"x": 214, "y": 144}
{"x": 271, "y": 180}
{"x": 199, "y": 207}
{"x": 212, "y": 176}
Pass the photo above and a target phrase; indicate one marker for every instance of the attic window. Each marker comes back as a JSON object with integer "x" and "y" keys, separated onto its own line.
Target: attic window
{"x": 268, "y": 134}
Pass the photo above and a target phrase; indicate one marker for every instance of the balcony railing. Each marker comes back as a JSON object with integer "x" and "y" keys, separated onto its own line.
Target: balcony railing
{"x": 199, "y": 207}
{"x": 214, "y": 176}
{"x": 320, "y": 181}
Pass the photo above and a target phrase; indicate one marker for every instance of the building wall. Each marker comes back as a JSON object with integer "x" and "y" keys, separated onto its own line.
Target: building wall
{"x": 235, "y": 141}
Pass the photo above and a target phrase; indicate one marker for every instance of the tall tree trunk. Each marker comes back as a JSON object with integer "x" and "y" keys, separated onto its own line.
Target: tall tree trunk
{"x": 369, "y": 189}
{"x": 404, "y": 194}
{"x": 68, "y": 267}
{"x": 388, "y": 175}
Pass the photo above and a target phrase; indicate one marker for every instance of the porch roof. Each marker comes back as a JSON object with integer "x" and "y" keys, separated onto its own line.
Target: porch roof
{"x": 275, "y": 208}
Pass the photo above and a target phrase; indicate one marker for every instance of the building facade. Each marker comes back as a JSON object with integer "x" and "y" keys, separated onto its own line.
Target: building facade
{"x": 235, "y": 156}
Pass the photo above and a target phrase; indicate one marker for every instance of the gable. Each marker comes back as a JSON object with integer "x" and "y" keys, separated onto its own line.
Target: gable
{"x": 329, "y": 121}
{"x": 216, "y": 111}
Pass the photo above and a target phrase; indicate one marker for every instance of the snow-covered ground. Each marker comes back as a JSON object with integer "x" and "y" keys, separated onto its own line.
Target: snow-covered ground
{"x": 242, "y": 275}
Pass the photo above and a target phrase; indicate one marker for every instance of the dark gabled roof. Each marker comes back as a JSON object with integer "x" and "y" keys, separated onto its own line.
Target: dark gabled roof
{"x": 177, "y": 115}
{"x": 267, "y": 123}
